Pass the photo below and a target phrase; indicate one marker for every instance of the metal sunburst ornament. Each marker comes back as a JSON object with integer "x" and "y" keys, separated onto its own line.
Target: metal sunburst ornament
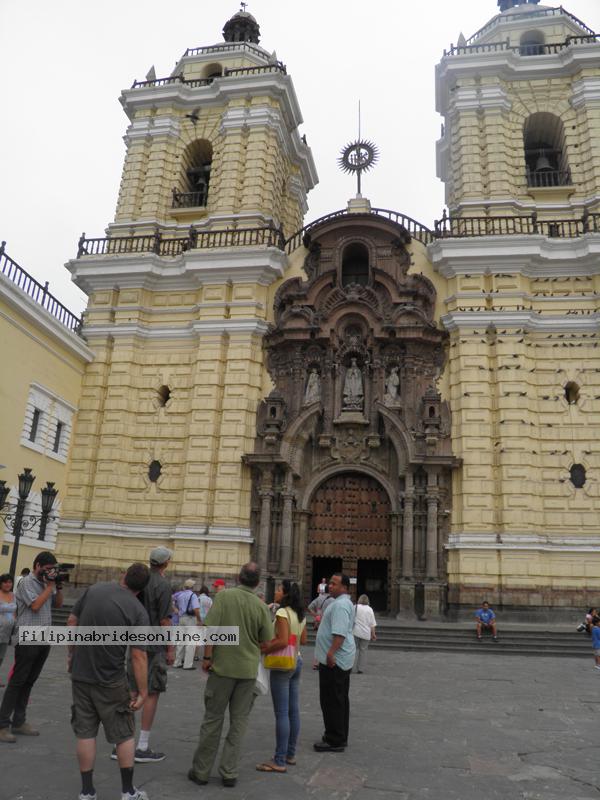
{"x": 359, "y": 156}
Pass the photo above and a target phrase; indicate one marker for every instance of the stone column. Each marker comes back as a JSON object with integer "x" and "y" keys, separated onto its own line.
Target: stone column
{"x": 394, "y": 571}
{"x": 432, "y": 526}
{"x": 408, "y": 543}
{"x": 303, "y": 520}
{"x": 266, "y": 501}
{"x": 285, "y": 555}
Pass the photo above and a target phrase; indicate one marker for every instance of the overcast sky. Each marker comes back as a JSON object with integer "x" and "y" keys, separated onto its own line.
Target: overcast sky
{"x": 63, "y": 64}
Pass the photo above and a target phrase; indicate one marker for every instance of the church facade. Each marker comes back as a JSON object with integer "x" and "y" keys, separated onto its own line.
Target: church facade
{"x": 416, "y": 405}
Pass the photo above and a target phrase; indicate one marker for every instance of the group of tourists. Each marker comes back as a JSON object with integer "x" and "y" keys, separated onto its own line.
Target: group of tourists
{"x": 110, "y": 683}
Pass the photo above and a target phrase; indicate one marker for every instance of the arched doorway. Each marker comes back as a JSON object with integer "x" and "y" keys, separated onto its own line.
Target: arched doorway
{"x": 350, "y": 529}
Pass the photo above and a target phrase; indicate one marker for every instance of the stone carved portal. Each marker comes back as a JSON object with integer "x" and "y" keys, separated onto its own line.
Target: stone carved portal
{"x": 376, "y": 429}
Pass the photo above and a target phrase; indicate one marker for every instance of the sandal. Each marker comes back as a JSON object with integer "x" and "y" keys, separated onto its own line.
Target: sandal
{"x": 290, "y": 760}
{"x": 268, "y": 767}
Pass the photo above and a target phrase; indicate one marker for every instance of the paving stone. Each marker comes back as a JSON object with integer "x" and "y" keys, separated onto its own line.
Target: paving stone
{"x": 423, "y": 727}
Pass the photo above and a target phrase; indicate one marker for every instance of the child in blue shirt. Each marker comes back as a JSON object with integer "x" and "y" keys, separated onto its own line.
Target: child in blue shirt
{"x": 596, "y": 641}
{"x": 486, "y": 619}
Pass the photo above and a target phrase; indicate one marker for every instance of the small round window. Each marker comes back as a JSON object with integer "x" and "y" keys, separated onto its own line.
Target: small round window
{"x": 154, "y": 471}
{"x": 578, "y": 475}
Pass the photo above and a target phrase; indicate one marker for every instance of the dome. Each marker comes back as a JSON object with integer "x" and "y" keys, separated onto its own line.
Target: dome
{"x": 506, "y": 5}
{"x": 242, "y": 27}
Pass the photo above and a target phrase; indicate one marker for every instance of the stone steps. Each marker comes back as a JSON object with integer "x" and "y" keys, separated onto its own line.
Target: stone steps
{"x": 456, "y": 638}
{"x": 462, "y": 640}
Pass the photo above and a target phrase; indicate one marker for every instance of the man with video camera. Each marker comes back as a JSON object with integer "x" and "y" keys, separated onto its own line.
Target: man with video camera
{"x": 35, "y": 596}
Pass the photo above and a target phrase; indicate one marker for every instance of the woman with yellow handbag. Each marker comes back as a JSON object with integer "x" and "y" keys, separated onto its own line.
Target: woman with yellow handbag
{"x": 283, "y": 659}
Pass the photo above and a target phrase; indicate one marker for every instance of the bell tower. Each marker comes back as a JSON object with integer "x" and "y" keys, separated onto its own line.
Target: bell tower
{"x": 181, "y": 291}
{"x": 520, "y": 160}
{"x": 521, "y": 106}
{"x": 215, "y": 143}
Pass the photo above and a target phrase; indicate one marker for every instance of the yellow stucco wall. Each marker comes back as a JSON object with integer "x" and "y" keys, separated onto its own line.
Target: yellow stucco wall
{"x": 35, "y": 350}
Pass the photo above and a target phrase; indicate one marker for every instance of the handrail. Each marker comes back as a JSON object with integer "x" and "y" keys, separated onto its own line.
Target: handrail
{"x": 449, "y": 227}
{"x": 195, "y": 240}
{"x": 39, "y": 293}
{"x": 232, "y": 72}
{"x": 225, "y": 47}
{"x": 526, "y": 50}
{"x": 547, "y": 12}
{"x": 416, "y": 229}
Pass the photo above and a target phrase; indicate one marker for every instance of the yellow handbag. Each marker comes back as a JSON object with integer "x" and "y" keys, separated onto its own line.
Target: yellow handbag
{"x": 285, "y": 657}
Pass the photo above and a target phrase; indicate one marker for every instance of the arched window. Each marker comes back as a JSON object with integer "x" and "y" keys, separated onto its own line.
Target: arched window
{"x": 195, "y": 176}
{"x": 545, "y": 155}
{"x": 355, "y": 264}
{"x": 532, "y": 44}
{"x": 213, "y": 71}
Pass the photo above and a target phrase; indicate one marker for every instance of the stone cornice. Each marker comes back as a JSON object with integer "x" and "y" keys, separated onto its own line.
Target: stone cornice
{"x": 176, "y": 332}
{"x": 530, "y": 255}
{"x": 509, "y": 65}
{"x": 188, "y": 271}
{"x": 34, "y": 314}
{"x": 529, "y": 321}
{"x": 549, "y": 542}
{"x": 219, "y": 93}
{"x": 133, "y": 530}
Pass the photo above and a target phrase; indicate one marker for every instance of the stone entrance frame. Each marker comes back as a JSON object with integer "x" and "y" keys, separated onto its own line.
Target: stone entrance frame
{"x": 308, "y": 431}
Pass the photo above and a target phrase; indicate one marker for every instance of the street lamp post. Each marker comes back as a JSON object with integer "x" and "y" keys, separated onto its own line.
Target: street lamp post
{"x": 15, "y": 514}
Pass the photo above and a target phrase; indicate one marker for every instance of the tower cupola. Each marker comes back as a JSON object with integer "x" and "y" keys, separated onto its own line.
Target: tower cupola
{"x": 242, "y": 27}
{"x": 505, "y": 5}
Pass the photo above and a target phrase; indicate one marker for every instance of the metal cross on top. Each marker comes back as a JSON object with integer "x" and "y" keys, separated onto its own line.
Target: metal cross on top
{"x": 359, "y": 156}
{"x": 243, "y": 6}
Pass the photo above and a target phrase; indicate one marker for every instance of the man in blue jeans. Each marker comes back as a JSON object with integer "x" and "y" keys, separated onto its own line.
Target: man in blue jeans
{"x": 335, "y": 651}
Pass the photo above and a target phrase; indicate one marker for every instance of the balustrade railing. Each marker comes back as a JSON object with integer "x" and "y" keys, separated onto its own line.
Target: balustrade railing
{"x": 226, "y": 47}
{"x": 539, "y": 12}
{"x": 38, "y": 292}
{"x": 162, "y": 246}
{"x": 527, "y": 50}
{"x": 232, "y": 72}
{"x": 549, "y": 177}
{"x": 188, "y": 199}
{"x": 461, "y": 227}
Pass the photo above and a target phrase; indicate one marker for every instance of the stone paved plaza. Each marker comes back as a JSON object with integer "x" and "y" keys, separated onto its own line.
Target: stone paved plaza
{"x": 423, "y": 726}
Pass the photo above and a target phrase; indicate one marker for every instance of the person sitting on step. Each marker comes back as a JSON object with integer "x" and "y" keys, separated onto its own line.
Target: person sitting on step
{"x": 486, "y": 620}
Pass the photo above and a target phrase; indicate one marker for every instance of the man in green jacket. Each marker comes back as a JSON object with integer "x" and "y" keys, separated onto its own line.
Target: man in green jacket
{"x": 232, "y": 676}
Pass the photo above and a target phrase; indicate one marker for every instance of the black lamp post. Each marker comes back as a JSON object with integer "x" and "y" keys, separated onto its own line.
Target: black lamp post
{"x": 16, "y": 514}
{"x": 48, "y": 497}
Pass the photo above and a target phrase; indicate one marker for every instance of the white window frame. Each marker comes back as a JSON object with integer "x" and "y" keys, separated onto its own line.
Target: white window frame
{"x": 53, "y": 409}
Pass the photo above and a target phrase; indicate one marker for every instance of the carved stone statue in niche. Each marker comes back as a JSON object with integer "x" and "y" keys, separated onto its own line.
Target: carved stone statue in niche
{"x": 313, "y": 388}
{"x": 353, "y": 388}
{"x": 392, "y": 384}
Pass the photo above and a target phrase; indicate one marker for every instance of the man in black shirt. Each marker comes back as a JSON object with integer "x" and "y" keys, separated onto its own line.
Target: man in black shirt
{"x": 99, "y": 679}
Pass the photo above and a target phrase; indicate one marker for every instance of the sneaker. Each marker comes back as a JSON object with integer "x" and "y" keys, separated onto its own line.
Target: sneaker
{"x": 88, "y": 796}
{"x": 6, "y": 736}
{"x": 25, "y": 730}
{"x": 597, "y": 666}
{"x": 580, "y": 628}
{"x": 138, "y": 794}
{"x": 147, "y": 757}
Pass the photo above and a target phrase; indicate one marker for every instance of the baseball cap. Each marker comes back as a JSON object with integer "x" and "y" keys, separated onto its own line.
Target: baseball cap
{"x": 189, "y": 584}
{"x": 160, "y": 555}
{"x": 219, "y": 582}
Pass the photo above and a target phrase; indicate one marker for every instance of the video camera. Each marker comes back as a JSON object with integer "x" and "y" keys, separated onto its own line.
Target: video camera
{"x": 59, "y": 573}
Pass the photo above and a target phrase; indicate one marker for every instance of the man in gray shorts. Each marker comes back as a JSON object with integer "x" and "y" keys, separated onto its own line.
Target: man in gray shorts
{"x": 101, "y": 691}
{"x": 158, "y": 602}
